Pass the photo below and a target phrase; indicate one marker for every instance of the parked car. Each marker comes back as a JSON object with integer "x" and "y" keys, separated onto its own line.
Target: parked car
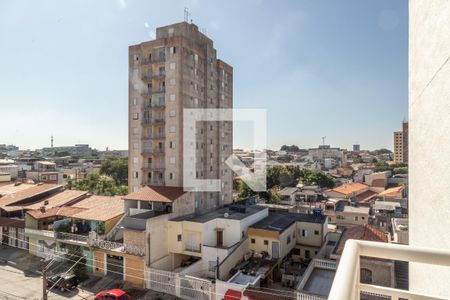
{"x": 63, "y": 281}
{"x": 115, "y": 294}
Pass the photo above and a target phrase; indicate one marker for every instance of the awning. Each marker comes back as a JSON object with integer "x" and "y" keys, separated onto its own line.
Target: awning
{"x": 232, "y": 295}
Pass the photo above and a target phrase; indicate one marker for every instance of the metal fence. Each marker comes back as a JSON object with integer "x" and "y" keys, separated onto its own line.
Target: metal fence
{"x": 183, "y": 286}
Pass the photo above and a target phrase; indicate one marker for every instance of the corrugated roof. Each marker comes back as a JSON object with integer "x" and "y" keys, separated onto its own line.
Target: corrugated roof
{"x": 59, "y": 199}
{"x": 13, "y": 188}
{"x": 32, "y": 191}
{"x": 65, "y": 211}
{"x": 157, "y": 194}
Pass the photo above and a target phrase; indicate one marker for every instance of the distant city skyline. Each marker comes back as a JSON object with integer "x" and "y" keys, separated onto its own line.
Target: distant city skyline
{"x": 335, "y": 69}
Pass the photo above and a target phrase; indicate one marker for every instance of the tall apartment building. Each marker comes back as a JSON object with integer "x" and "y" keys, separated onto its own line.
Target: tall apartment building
{"x": 401, "y": 144}
{"x": 178, "y": 70}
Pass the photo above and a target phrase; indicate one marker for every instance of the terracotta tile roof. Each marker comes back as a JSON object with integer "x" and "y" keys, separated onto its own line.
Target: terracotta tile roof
{"x": 65, "y": 211}
{"x": 364, "y": 233}
{"x": 60, "y": 199}
{"x": 395, "y": 192}
{"x": 366, "y": 196}
{"x": 32, "y": 191}
{"x": 350, "y": 188}
{"x": 100, "y": 208}
{"x": 379, "y": 182}
{"x": 157, "y": 194}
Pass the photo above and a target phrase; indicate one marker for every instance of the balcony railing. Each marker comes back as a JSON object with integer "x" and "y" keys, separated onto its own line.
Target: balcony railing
{"x": 161, "y": 89}
{"x": 156, "y": 182}
{"x": 154, "y": 151}
{"x": 71, "y": 237}
{"x": 157, "y": 168}
{"x": 153, "y": 121}
{"x": 37, "y": 232}
{"x": 347, "y": 286}
{"x": 150, "y": 77}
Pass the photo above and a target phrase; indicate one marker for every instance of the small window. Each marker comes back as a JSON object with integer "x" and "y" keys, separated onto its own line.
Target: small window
{"x": 173, "y": 97}
{"x": 356, "y": 218}
{"x": 135, "y": 146}
{"x": 172, "y": 129}
{"x": 304, "y": 232}
{"x": 134, "y": 101}
{"x": 173, "y": 65}
{"x": 288, "y": 240}
{"x": 135, "y": 160}
{"x": 135, "y": 116}
{"x": 172, "y": 113}
{"x": 172, "y": 145}
{"x": 266, "y": 242}
{"x": 172, "y": 176}
{"x": 173, "y": 81}
{"x": 316, "y": 232}
{"x": 172, "y": 160}
{"x": 179, "y": 238}
{"x": 252, "y": 241}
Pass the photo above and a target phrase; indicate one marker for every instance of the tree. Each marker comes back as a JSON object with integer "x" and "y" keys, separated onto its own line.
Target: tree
{"x": 98, "y": 185}
{"x": 381, "y": 167}
{"x": 292, "y": 148}
{"x": 73, "y": 255}
{"x": 117, "y": 168}
{"x": 401, "y": 170}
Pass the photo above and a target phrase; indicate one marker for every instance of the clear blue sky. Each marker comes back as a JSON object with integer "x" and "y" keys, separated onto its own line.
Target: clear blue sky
{"x": 319, "y": 67}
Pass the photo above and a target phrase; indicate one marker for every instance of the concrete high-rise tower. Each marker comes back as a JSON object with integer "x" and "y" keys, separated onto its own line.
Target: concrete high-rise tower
{"x": 178, "y": 70}
{"x": 401, "y": 144}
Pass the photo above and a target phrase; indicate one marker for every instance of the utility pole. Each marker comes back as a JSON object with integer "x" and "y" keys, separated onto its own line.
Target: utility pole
{"x": 44, "y": 283}
{"x": 217, "y": 268}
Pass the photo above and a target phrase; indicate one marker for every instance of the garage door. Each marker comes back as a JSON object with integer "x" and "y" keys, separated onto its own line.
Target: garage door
{"x": 114, "y": 265}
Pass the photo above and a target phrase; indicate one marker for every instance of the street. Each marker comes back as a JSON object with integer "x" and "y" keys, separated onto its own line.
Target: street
{"x": 16, "y": 285}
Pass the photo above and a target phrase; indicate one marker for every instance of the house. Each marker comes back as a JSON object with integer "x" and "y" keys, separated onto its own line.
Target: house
{"x": 384, "y": 211}
{"x": 145, "y": 226}
{"x": 400, "y": 230}
{"x": 84, "y": 223}
{"x": 377, "y": 181}
{"x": 396, "y": 194}
{"x": 281, "y": 233}
{"x": 287, "y": 195}
{"x": 210, "y": 238}
{"x": 347, "y": 191}
{"x": 13, "y": 202}
{"x": 373, "y": 271}
{"x": 349, "y": 216}
{"x": 5, "y": 178}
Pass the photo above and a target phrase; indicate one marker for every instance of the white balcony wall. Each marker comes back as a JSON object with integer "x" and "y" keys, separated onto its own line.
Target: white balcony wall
{"x": 429, "y": 139}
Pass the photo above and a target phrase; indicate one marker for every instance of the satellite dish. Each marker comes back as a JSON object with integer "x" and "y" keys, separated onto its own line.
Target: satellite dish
{"x": 226, "y": 215}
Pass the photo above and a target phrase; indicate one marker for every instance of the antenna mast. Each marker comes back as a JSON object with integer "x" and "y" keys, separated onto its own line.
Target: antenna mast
{"x": 186, "y": 14}
{"x": 323, "y": 140}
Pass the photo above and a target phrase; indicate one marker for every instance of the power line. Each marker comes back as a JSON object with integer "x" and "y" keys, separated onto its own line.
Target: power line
{"x": 155, "y": 272}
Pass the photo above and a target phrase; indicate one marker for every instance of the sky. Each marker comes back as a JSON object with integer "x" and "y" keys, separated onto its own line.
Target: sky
{"x": 320, "y": 68}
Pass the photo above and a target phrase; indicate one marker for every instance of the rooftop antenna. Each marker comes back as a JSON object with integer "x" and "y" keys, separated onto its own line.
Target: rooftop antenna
{"x": 51, "y": 141}
{"x": 186, "y": 14}
{"x": 323, "y": 140}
